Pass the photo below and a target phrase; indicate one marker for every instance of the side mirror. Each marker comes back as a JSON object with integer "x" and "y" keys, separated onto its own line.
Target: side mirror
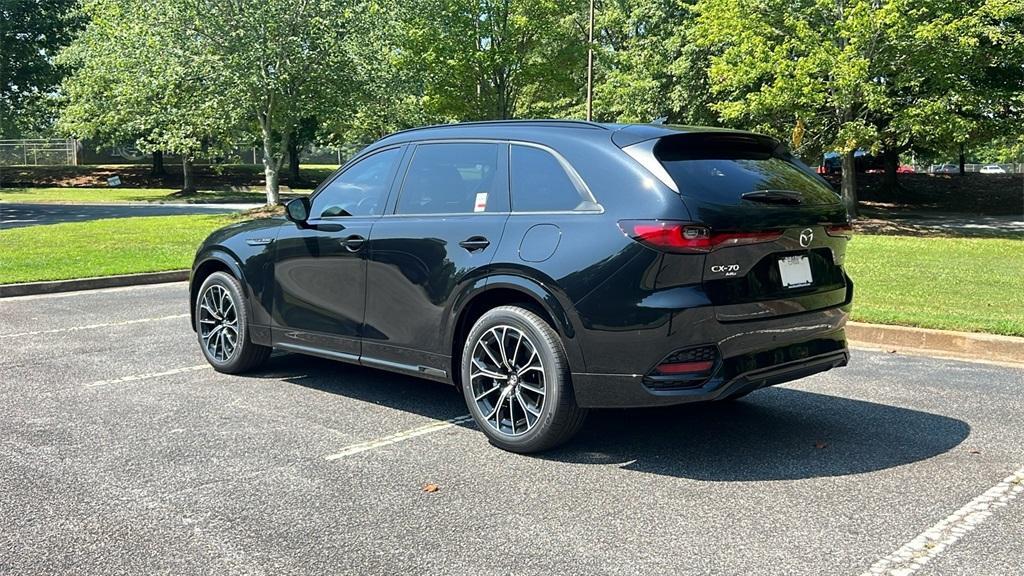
{"x": 297, "y": 210}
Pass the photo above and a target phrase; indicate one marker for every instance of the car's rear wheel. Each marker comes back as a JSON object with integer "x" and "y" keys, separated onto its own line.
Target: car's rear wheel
{"x": 222, "y": 326}
{"x": 516, "y": 381}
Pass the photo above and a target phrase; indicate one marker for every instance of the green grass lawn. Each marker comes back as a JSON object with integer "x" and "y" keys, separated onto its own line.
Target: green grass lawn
{"x": 103, "y": 247}
{"x": 116, "y": 195}
{"x": 974, "y": 285}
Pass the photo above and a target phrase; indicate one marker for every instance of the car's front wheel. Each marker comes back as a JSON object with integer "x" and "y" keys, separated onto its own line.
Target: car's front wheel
{"x": 516, "y": 381}
{"x": 222, "y": 326}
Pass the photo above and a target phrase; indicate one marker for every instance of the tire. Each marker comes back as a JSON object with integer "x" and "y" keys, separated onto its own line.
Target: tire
{"x": 219, "y": 298}
{"x": 501, "y": 389}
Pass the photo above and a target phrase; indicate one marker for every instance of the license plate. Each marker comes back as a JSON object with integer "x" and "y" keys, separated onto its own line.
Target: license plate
{"x": 795, "y": 271}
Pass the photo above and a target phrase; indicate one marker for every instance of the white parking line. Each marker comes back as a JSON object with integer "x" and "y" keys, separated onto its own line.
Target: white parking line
{"x": 400, "y": 437}
{"x": 913, "y": 555}
{"x": 91, "y": 326}
{"x": 137, "y": 377}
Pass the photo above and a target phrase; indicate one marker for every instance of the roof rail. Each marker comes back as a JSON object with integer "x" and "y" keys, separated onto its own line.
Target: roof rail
{"x": 525, "y": 122}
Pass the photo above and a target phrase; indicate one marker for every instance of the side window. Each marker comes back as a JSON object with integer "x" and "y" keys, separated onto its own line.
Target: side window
{"x": 450, "y": 178}
{"x": 361, "y": 190}
{"x": 540, "y": 184}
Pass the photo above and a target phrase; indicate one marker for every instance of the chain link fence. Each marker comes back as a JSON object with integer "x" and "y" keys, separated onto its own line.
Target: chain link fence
{"x": 39, "y": 152}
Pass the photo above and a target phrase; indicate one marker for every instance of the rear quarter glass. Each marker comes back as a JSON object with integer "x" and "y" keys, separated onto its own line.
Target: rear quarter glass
{"x": 720, "y": 168}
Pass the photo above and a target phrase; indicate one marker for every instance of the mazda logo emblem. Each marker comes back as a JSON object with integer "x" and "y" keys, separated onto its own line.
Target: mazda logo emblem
{"x": 806, "y": 236}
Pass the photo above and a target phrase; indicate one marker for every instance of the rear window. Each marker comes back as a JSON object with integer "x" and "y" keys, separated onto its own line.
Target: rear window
{"x": 720, "y": 168}
{"x": 541, "y": 184}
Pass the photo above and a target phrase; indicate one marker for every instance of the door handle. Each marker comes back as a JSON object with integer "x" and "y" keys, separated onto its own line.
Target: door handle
{"x": 353, "y": 243}
{"x": 475, "y": 243}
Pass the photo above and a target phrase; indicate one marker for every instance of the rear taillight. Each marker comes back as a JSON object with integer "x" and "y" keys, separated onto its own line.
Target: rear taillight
{"x": 840, "y": 230}
{"x": 688, "y": 238}
{"x": 687, "y": 368}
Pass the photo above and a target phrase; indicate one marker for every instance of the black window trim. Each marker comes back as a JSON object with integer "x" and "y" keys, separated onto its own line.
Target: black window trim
{"x": 347, "y": 166}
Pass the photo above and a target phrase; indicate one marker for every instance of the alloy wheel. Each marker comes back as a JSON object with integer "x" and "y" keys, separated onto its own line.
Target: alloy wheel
{"x": 218, "y": 323}
{"x": 507, "y": 380}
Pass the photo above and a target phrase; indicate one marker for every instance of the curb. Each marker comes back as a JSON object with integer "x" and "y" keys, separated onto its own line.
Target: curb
{"x": 32, "y": 288}
{"x": 965, "y": 345}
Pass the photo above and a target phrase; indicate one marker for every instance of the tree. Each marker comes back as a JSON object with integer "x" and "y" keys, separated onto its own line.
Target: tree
{"x": 31, "y": 34}
{"x": 861, "y": 73}
{"x": 648, "y": 66}
{"x": 132, "y": 80}
{"x": 802, "y": 70}
{"x": 484, "y": 59}
{"x": 978, "y": 72}
{"x": 388, "y": 88}
{"x": 277, "y": 62}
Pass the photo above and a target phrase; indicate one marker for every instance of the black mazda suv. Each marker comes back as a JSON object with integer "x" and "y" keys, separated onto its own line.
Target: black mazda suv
{"x": 545, "y": 267}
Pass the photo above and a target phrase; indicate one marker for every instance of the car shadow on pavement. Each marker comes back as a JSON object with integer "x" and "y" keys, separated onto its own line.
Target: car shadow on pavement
{"x": 773, "y": 434}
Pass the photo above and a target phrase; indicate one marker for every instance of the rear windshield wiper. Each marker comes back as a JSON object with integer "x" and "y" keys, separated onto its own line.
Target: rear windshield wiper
{"x": 774, "y": 196}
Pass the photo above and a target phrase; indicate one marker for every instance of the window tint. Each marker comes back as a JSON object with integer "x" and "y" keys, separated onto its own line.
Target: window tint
{"x": 720, "y": 168}
{"x": 361, "y": 190}
{"x": 540, "y": 184}
{"x": 450, "y": 179}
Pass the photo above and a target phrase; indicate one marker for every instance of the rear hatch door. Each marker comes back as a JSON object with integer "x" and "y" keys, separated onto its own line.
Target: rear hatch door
{"x": 785, "y": 227}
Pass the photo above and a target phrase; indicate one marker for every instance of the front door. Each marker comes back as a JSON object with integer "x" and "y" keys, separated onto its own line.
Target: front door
{"x": 446, "y": 223}
{"x": 320, "y": 268}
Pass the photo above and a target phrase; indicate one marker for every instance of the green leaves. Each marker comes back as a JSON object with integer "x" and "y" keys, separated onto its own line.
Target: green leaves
{"x": 31, "y": 34}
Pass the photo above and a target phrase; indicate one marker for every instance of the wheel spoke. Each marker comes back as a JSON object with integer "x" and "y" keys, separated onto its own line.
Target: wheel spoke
{"x": 528, "y": 368}
{"x": 528, "y": 364}
{"x": 205, "y": 306}
{"x": 529, "y": 387}
{"x": 490, "y": 354}
{"x": 221, "y": 307}
{"x": 487, "y": 374}
{"x": 526, "y": 405}
{"x": 511, "y": 414}
{"x": 485, "y": 371}
{"x": 501, "y": 348}
{"x": 488, "y": 392}
{"x": 497, "y": 406}
{"x": 515, "y": 352}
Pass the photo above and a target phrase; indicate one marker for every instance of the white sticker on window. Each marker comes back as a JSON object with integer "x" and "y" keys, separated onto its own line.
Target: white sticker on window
{"x": 481, "y": 202}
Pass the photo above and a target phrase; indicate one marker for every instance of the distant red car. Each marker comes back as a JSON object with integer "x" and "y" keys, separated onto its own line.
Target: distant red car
{"x": 903, "y": 169}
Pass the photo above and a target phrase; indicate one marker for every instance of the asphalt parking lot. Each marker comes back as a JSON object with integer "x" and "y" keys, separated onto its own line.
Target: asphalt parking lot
{"x": 122, "y": 453}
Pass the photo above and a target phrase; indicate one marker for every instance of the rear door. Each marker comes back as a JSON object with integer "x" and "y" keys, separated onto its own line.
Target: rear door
{"x": 778, "y": 230}
{"x": 445, "y": 225}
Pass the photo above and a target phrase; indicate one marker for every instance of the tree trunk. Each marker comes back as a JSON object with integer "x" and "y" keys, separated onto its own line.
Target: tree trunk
{"x": 270, "y": 169}
{"x": 188, "y": 175}
{"x": 891, "y": 159}
{"x": 293, "y": 161}
{"x": 158, "y": 163}
{"x": 963, "y": 160}
{"x": 849, "y": 183}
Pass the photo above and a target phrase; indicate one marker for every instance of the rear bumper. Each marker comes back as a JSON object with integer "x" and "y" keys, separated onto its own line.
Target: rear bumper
{"x": 733, "y": 375}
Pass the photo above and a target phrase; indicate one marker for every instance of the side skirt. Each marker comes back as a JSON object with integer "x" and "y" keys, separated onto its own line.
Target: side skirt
{"x": 419, "y": 371}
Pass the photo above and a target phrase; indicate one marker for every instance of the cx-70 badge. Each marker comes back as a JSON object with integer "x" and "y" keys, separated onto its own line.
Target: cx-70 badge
{"x": 729, "y": 269}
